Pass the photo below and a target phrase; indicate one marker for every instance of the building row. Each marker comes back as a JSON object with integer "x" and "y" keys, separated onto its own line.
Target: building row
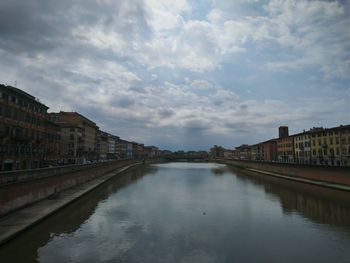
{"x": 318, "y": 146}
{"x": 30, "y": 137}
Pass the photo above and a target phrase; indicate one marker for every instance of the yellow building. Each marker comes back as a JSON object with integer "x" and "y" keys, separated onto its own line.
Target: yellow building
{"x": 325, "y": 146}
{"x": 302, "y": 148}
{"x": 345, "y": 144}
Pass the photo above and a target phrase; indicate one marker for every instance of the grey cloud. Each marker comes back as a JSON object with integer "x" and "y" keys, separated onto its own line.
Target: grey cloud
{"x": 31, "y": 25}
{"x": 35, "y": 26}
{"x": 123, "y": 102}
{"x": 196, "y": 127}
{"x": 243, "y": 107}
{"x": 138, "y": 89}
{"x": 165, "y": 113}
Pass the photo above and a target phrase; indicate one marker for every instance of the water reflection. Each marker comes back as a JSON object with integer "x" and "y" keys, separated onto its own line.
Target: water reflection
{"x": 319, "y": 204}
{"x": 184, "y": 212}
{"x": 69, "y": 219}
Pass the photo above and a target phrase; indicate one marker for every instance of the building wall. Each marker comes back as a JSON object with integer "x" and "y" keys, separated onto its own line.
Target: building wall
{"x": 24, "y": 131}
{"x": 52, "y": 143}
{"x": 217, "y": 151}
{"x": 71, "y": 144}
{"x": 33, "y": 185}
{"x": 270, "y": 151}
{"x": 103, "y": 149}
{"x": 112, "y": 143}
{"x": 89, "y": 141}
{"x": 325, "y": 147}
{"x": 302, "y": 148}
{"x": 90, "y": 137}
{"x": 285, "y": 149}
{"x": 338, "y": 175}
{"x": 125, "y": 149}
{"x": 345, "y": 145}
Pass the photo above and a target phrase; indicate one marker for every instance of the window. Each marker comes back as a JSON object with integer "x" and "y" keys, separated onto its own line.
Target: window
{"x": 9, "y": 112}
{"x": 337, "y": 151}
{"x": 331, "y": 141}
{"x": 13, "y": 99}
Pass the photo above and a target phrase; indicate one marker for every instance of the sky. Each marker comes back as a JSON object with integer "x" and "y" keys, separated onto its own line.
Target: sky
{"x": 183, "y": 74}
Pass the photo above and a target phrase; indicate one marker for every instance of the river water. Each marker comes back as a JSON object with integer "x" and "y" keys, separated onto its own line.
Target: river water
{"x": 193, "y": 212}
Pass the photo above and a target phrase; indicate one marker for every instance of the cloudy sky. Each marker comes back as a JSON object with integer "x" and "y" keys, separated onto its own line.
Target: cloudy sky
{"x": 183, "y": 74}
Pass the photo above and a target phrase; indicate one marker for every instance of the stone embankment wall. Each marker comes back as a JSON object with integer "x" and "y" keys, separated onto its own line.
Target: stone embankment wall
{"x": 336, "y": 175}
{"x": 20, "y": 188}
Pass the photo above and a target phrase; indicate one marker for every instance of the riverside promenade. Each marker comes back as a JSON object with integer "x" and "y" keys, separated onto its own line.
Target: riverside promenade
{"x": 332, "y": 177}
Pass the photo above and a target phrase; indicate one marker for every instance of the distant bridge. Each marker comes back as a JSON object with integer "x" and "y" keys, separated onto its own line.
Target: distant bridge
{"x": 186, "y": 159}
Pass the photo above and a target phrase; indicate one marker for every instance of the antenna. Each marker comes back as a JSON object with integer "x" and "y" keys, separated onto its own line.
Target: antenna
{"x": 15, "y": 83}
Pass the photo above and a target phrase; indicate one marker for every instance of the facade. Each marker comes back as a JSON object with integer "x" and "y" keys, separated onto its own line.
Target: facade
{"x": 302, "y": 148}
{"x": 228, "y": 154}
{"x": 52, "y": 143}
{"x": 254, "y": 152}
{"x": 25, "y": 131}
{"x": 217, "y": 152}
{"x": 345, "y": 144}
{"x": 71, "y": 144}
{"x": 325, "y": 146}
{"x": 112, "y": 146}
{"x": 151, "y": 152}
{"x": 285, "y": 149}
{"x": 138, "y": 150}
{"x": 243, "y": 152}
{"x": 124, "y": 149}
{"x": 260, "y": 152}
{"x": 270, "y": 150}
{"x": 285, "y": 146}
{"x": 89, "y": 141}
{"x": 103, "y": 145}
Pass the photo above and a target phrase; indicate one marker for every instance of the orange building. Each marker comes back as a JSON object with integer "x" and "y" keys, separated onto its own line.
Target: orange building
{"x": 285, "y": 146}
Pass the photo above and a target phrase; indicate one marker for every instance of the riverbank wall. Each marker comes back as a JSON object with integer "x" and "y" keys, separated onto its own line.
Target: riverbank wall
{"x": 21, "y": 188}
{"x": 326, "y": 174}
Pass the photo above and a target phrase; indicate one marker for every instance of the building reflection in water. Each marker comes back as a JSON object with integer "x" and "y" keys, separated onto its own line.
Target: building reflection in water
{"x": 73, "y": 216}
{"x": 319, "y": 204}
